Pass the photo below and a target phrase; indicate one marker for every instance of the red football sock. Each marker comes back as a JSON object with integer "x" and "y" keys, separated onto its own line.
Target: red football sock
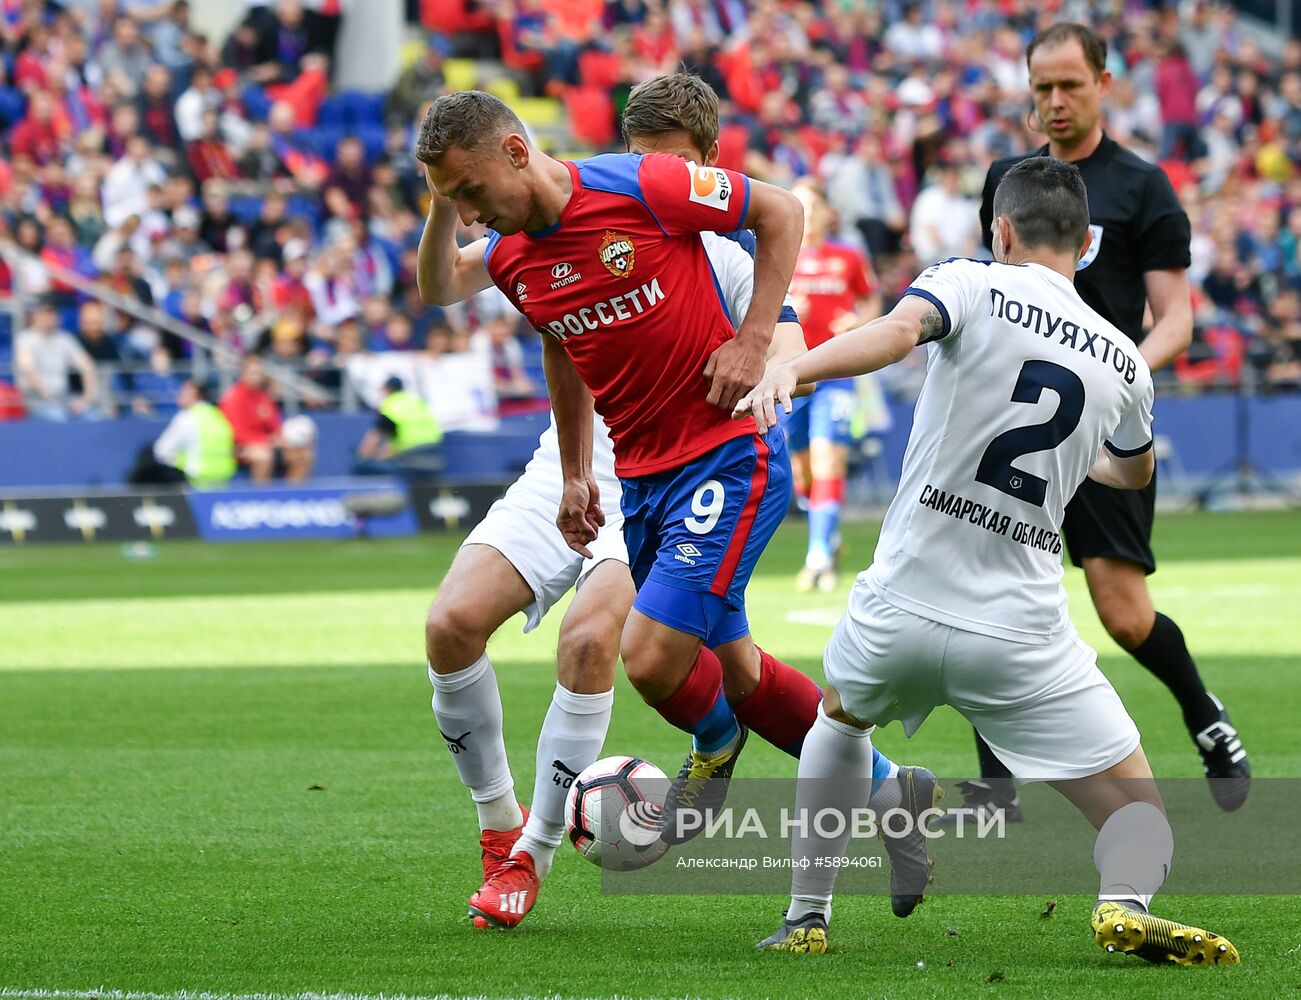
{"x": 783, "y": 707}
{"x": 827, "y": 491}
{"x": 688, "y": 706}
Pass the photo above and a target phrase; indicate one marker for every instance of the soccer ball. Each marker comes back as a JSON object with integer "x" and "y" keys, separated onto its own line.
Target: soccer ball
{"x": 613, "y": 813}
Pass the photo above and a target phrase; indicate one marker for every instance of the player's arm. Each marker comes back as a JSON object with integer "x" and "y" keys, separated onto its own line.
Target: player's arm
{"x": 1128, "y": 459}
{"x": 1170, "y": 299}
{"x": 580, "y": 516}
{"x": 445, "y": 272}
{"x": 868, "y": 348}
{"x": 777, "y": 219}
{"x": 1131, "y": 472}
{"x": 787, "y": 344}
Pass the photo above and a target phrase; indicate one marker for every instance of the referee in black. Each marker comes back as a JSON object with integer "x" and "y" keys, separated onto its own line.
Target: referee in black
{"x": 1140, "y": 253}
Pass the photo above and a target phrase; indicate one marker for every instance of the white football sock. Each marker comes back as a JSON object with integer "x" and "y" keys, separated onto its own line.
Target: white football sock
{"x": 1133, "y": 853}
{"x": 467, "y": 706}
{"x": 835, "y": 775}
{"x": 889, "y": 795}
{"x": 572, "y": 736}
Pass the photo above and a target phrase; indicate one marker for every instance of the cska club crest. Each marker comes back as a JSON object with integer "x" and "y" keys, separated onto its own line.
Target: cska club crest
{"x": 618, "y": 254}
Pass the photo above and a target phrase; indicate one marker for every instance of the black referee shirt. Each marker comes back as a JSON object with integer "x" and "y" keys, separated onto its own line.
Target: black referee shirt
{"x": 1144, "y": 228}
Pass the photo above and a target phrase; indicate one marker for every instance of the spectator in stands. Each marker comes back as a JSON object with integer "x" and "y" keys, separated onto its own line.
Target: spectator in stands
{"x": 200, "y": 96}
{"x": 333, "y": 291}
{"x": 419, "y": 83}
{"x": 61, "y": 250}
{"x": 259, "y": 163}
{"x": 125, "y": 59}
{"x": 405, "y": 440}
{"x": 259, "y": 443}
{"x": 350, "y": 173}
{"x": 216, "y": 221}
{"x": 45, "y": 359}
{"x": 209, "y": 157}
{"x": 39, "y": 136}
{"x": 498, "y": 342}
{"x": 93, "y": 332}
{"x": 126, "y": 186}
{"x": 281, "y": 44}
{"x": 156, "y": 108}
{"x": 861, "y": 189}
{"x": 197, "y": 446}
{"x": 1176, "y": 88}
{"x": 945, "y": 222}
{"x": 84, "y": 210}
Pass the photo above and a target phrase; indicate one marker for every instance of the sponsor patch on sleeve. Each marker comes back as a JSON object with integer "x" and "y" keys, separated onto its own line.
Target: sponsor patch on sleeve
{"x": 710, "y": 186}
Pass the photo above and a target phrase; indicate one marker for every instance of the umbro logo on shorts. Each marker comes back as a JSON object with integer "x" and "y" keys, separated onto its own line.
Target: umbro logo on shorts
{"x": 687, "y": 553}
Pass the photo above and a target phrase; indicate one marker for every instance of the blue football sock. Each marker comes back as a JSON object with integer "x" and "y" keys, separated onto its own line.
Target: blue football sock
{"x": 717, "y": 727}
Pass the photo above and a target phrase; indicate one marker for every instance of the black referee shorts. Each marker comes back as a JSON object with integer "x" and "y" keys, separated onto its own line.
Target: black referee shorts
{"x": 1115, "y": 524}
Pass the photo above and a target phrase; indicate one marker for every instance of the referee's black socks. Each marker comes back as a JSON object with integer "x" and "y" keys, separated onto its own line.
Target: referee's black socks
{"x": 1166, "y": 656}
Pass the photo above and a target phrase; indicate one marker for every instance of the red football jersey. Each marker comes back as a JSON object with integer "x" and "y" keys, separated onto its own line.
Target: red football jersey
{"x": 828, "y": 283}
{"x": 622, "y": 280}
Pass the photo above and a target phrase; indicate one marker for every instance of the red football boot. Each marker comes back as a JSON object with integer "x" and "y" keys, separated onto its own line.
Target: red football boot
{"x": 507, "y": 895}
{"x": 495, "y": 845}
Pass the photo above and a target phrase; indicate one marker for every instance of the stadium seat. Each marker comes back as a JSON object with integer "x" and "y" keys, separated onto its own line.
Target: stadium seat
{"x": 11, "y": 403}
{"x": 246, "y": 207}
{"x": 256, "y": 103}
{"x": 372, "y": 139}
{"x": 330, "y": 113}
{"x": 450, "y": 17}
{"x": 13, "y": 106}
{"x": 411, "y": 51}
{"x": 460, "y": 74}
{"x": 360, "y": 108}
{"x": 540, "y": 111}
{"x": 599, "y": 69}
{"x": 591, "y": 115}
{"x": 504, "y": 87}
{"x": 305, "y": 207}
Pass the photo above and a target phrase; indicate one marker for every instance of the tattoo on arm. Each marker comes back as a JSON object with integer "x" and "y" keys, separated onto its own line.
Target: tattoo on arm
{"x": 932, "y": 325}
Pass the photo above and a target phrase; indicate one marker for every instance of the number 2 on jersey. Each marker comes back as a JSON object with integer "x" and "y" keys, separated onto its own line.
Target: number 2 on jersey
{"x": 707, "y": 511}
{"x": 996, "y": 468}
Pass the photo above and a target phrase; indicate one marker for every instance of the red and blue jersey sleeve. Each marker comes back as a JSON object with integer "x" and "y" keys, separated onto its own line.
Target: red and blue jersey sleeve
{"x": 687, "y": 198}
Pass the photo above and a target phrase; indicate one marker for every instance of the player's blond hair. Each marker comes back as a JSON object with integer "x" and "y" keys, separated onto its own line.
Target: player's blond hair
{"x": 670, "y": 102}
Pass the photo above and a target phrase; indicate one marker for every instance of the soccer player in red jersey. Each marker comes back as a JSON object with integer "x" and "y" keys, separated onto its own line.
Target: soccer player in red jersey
{"x": 832, "y": 291}
{"x": 605, "y": 258}
{"x": 499, "y": 570}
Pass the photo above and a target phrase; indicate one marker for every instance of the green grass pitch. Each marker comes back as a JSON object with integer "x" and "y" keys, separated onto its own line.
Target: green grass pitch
{"x": 219, "y": 772}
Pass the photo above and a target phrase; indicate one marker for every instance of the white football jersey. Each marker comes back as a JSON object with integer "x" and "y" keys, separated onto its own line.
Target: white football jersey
{"x": 734, "y": 269}
{"x": 1023, "y": 387}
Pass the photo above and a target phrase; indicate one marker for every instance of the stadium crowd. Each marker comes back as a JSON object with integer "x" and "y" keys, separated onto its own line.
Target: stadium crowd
{"x": 228, "y": 184}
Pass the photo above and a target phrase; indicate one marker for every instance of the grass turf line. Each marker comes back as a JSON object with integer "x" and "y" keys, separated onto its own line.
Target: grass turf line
{"x": 161, "y": 831}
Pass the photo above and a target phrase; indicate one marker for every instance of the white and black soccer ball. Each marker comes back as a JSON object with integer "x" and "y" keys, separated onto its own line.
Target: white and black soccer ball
{"x": 612, "y": 814}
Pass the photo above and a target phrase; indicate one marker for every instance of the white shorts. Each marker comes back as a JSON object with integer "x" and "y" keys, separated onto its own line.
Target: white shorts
{"x": 522, "y": 527}
{"x": 1046, "y": 711}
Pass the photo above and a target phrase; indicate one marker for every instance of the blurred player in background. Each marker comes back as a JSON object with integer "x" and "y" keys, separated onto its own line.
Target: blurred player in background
{"x": 1027, "y": 391}
{"x": 833, "y": 291}
{"x": 1139, "y": 257}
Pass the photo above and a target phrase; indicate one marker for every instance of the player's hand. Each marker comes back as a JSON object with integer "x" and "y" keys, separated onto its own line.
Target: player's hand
{"x": 580, "y": 516}
{"x": 762, "y": 400}
{"x": 436, "y": 201}
{"x": 733, "y": 370}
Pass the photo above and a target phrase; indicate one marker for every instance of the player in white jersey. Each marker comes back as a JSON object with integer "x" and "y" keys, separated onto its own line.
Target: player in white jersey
{"x": 1027, "y": 391}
